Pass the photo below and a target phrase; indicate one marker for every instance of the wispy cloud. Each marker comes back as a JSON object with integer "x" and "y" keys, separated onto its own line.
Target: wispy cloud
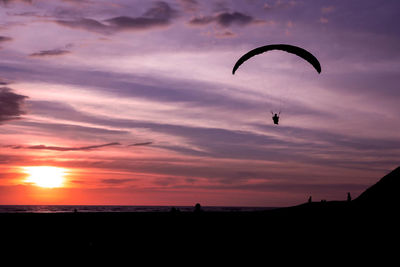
{"x": 86, "y": 24}
{"x": 202, "y": 20}
{"x": 189, "y": 5}
{"x": 78, "y": 2}
{"x": 323, "y": 20}
{"x": 225, "y": 34}
{"x": 159, "y": 15}
{"x": 224, "y": 19}
{"x": 11, "y": 104}
{"x": 117, "y": 181}
{"x": 6, "y": 2}
{"x": 141, "y": 144}
{"x": 327, "y": 9}
{"x": 5, "y": 39}
{"x": 68, "y": 130}
{"x": 59, "y": 148}
{"x": 3, "y": 82}
{"x": 280, "y": 4}
{"x": 50, "y": 53}
{"x": 227, "y": 19}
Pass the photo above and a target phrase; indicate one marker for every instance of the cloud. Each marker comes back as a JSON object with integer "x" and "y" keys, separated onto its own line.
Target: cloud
{"x": 203, "y": 20}
{"x": 220, "y": 143}
{"x": 77, "y": 1}
{"x": 6, "y": 2}
{"x": 224, "y": 19}
{"x": 85, "y": 24}
{"x": 69, "y": 131}
{"x": 328, "y": 9}
{"x": 116, "y": 181}
{"x": 158, "y": 15}
{"x": 130, "y": 85}
{"x": 325, "y": 11}
{"x": 220, "y": 33}
{"x": 280, "y": 4}
{"x": 139, "y": 23}
{"x": 323, "y": 20}
{"x": 28, "y": 14}
{"x": 141, "y": 144}
{"x": 160, "y": 10}
{"x": 57, "y": 148}
{"x": 189, "y": 5}
{"x": 3, "y": 82}
{"x": 10, "y": 104}
{"x": 225, "y": 34}
{"x": 47, "y": 53}
{"x": 5, "y": 39}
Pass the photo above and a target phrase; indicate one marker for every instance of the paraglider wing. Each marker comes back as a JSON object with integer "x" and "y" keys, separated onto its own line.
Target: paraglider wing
{"x": 284, "y": 47}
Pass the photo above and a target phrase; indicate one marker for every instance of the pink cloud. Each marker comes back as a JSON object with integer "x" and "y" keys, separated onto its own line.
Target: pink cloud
{"x": 328, "y": 9}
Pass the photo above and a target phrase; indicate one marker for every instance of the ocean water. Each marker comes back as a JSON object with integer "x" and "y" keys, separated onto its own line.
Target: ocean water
{"x": 92, "y": 208}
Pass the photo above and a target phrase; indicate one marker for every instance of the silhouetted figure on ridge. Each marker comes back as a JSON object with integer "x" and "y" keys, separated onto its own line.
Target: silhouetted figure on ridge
{"x": 310, "y": 199}
{"x": 348, "y": 197}
{"x": 197, "y": 208}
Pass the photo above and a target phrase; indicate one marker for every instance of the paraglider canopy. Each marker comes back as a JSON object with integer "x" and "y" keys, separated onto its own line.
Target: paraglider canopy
{"x": 283, "y": 47}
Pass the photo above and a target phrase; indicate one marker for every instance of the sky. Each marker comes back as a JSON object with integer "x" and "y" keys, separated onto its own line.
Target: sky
{"x": 135, "y": 101}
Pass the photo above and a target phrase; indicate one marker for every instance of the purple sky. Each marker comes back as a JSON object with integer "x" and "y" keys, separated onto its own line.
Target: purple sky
{"x": 137, "y": 100}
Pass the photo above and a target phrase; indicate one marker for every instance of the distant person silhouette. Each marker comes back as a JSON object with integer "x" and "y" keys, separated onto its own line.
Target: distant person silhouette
{"x": 310, "y": 199}
{"x": 197, "y": 208}
{"x": 348, "y": 197}
{"x": 174, "y": 210}
{"x": 275, "y": 118}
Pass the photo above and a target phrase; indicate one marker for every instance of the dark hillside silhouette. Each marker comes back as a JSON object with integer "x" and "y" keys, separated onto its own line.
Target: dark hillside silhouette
{"x": 383, "y": 194}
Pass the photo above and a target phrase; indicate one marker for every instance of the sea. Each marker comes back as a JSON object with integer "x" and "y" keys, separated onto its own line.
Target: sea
{"x": 94, "y": 208}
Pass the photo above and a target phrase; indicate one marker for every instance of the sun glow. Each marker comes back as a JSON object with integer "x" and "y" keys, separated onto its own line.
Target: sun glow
{"x": 45, "y": 176}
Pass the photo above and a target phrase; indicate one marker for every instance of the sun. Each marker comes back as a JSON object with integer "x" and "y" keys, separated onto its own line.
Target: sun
{"x": 45, "y": 176}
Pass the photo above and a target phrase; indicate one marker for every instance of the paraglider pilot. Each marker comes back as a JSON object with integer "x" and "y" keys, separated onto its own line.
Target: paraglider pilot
{"x": 300, "y": 52}
{"x": 275, "y": 118}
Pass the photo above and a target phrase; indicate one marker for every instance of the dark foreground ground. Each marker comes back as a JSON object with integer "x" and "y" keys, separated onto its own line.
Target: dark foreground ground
{"x": 333, "y": 229}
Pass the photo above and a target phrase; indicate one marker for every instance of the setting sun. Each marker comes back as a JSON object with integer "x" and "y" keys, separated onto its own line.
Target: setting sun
{"x": 45, "y": 176}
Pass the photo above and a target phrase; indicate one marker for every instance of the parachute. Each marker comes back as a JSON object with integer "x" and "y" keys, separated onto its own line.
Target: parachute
{"x": 283, "y": 47}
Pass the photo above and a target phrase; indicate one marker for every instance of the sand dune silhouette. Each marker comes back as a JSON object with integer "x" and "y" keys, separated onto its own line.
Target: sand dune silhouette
{"x": 385, "y": 193}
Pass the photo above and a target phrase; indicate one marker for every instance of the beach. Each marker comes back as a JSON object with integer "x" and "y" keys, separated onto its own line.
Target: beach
{"x": 302, "y": 228}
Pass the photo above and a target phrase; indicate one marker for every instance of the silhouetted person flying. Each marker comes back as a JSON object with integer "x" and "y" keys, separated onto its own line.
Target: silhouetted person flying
{"x": 275, "y": 118}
